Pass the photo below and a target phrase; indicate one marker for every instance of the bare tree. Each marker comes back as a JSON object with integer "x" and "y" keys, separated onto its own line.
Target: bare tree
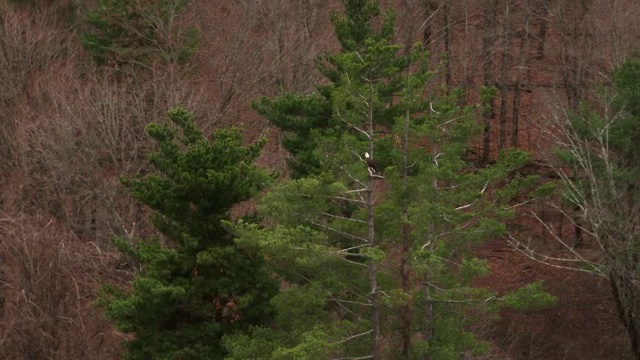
{"x": 48, "y": 284}
{"x": 597, "y": 182}
{"x": 29, "y": 45}
{"x": 522, "y": 69}
{"x": 577, "y": 48}
{"x": 503, "y": 85}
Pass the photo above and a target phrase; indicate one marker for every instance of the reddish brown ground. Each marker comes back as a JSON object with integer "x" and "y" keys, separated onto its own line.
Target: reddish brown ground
{"x": 582, "y": 325}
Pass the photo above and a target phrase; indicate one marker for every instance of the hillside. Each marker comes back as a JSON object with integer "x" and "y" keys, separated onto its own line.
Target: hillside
{"x": 70, "y": 129}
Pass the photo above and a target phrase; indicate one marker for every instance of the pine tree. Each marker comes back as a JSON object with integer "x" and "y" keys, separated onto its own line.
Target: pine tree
{"x": 438, "y": 208}
{"x": 328, "y": 134}
{"x": 196, "y": 283}
{"x": 134, "y": 32}
{"x": 336, "y": 230}
{"x": 304, "y": 117}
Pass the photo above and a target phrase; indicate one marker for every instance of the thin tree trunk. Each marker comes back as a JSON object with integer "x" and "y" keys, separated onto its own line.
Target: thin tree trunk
{"x": 467, "y": 73}
{"x": 577, "y": 54}
{"x": 517, "y": 100}
{"x": 542, "y": 10}
{"x": 404, "y": 258}
{"x": 373, "y": 267}
{"x": 487, "y": 58}
{"x": 447, "y": 44}
{"x": 427, "y": 35}
{"x": 373, "y": 280}
{"x": 577, "y": 227}
{"x": 502, "y": 141}
{"x": 428, "y": 314}
{"x": 428, "y": 329}
{"x": 524, "y": 63}
{"x": 628, "y": 305}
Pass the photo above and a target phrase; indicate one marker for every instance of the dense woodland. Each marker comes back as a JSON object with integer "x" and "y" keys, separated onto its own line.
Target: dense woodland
{"x": 312, "y": 179}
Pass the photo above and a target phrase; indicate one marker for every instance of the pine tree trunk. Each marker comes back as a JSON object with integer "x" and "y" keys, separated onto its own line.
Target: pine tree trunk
{"x": 428, "y": 315}
{"x": 373, "y": 282}
{"x": 373, "y": 270}
{"x": 404, "y": 259}
{"x": 447, "y": 44}
{"x": 428, "y": 329}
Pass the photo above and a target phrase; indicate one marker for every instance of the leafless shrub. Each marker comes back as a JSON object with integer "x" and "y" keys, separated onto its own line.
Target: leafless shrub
{"x": 31, "y": 43}
{"x": 82, "y": 133}
{"x": 48, "y": 285}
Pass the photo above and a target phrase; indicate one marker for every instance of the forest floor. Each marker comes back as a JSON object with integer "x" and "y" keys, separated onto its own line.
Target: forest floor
{"x": 582, "y": 325}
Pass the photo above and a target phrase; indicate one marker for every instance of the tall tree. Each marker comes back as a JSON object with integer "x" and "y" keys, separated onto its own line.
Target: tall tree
{"x": 303, "y": 116}
{"x": 524, "y": 59}
{"x": 437, "y": 209}
{"x": 334, "y": 236}
{"x": 488, "y": 40}
{"x": 503, "y": 84}
{"x": 577, "y": 50}
{"x": 196, "y": 284}
{"x": 329, "y": 130}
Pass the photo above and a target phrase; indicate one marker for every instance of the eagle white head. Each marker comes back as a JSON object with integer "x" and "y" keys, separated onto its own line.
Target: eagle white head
{"x": 370, "y": 164}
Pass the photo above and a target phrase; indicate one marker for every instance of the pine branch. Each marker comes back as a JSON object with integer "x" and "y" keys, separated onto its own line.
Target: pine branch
{"x": 339, "y": 232}
{"x": 344, "y": 218}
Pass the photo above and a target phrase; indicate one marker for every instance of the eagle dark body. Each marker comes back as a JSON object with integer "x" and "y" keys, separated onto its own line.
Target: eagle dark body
{"x": 372, "y": 165}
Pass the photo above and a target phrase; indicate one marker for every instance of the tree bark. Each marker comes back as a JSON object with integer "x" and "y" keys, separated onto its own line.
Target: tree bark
{"x": 487, "y": 59}
{"x": 504, "y": 78}
{"x": 628, "y": 305}
{"x": 373, "y": 267}
{"x": 428, "y": 315}
{"x": 522, "y": 69}
{"x": 447, "y": 44}
{"x": 542, "y": 10}
{"x": 427, "y": 35}
{"x": 577, "y": 53}
{"x": 405, "y": 271}
{"x": 428, "y": 329}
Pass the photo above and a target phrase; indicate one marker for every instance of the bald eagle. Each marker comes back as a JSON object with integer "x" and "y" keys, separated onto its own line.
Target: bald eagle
{"x": 372, "y": 166}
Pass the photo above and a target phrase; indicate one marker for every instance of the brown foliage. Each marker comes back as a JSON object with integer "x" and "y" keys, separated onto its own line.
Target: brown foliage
{"x": 49, "y": 280}
{"x": 67, "y": 131}
{"x": 30, "y": 45}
